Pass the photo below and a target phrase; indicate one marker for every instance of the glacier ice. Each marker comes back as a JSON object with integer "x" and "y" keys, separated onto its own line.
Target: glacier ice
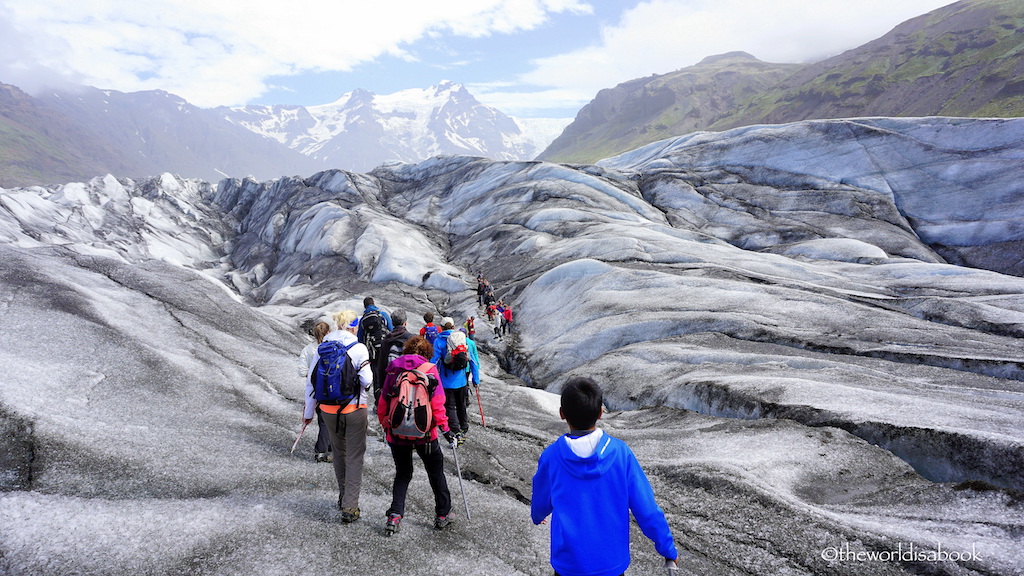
{"x": 781, "y": 316}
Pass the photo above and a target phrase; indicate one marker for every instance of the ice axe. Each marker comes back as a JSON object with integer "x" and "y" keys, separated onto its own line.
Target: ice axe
{"x": 304, "y": 424}
{"x": 480, "y": 405}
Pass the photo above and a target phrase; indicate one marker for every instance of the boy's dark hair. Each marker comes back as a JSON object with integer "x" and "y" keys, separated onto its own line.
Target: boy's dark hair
{"x": 368, "y": 301}
{"x": 582, "y": 400}
{"x": 428, "y": 317}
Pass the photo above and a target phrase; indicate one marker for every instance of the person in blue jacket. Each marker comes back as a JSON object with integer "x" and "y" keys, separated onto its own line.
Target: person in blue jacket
{"x": 456, "y": 382}
{"x": 589, "y": 483}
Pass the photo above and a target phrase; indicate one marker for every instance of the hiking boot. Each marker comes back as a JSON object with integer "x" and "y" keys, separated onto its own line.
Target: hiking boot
{"x": 323, "y": 457}
{"x": 349, "y": 515}
{"x": 460, "y": 437}
{"x": 394, "y": 523}
{"x": 442, "y": 522}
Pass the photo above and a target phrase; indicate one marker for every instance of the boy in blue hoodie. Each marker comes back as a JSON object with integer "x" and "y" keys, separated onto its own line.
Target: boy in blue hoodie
{"x": 589, "y": 483}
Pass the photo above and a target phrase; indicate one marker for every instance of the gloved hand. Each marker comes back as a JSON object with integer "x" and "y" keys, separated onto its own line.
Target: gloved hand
{"x": 449, "y": 437}
{"x": 671, "y": 568}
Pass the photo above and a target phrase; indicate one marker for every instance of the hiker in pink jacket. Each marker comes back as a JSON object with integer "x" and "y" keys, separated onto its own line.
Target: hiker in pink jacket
{"x": 416, "y": 354}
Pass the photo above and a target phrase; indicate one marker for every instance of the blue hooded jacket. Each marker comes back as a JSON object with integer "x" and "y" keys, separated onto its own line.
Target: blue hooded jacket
{"x": 589, "y": 501}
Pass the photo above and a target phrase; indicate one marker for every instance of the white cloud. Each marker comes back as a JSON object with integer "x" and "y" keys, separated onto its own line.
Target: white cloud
{"x": 215, "y": 52}
{"x": 660, "y": 36}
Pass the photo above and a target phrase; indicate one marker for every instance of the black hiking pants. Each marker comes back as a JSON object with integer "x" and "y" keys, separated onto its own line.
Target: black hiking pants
{"x": 455, "y": 402}
{"x": 433, "y": 461}
{"x": 323, "y": 436}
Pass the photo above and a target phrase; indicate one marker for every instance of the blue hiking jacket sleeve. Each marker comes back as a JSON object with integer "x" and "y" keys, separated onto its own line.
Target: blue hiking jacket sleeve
{"x": 589, "y": 501}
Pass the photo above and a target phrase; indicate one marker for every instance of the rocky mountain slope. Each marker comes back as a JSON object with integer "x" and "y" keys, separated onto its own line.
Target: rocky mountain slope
{"x": 82, "y": 133}
{"x": 961, "y": 60}
{"x": 39, "y": 145}
{"x": 966, "y": 59}
{"x": 649, "y": 109}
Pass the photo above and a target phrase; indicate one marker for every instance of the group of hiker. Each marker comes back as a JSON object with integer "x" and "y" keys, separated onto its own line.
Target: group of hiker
{"x": 587, "y": 482}
{"x": 418, "y": 385}
{"x": 497, "y": 311}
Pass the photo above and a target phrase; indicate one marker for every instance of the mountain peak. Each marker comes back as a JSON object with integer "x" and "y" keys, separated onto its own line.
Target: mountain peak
{"x": 362, "y": 130}
{"x": 728, "y": 56}
{"x": 447, "y": 86}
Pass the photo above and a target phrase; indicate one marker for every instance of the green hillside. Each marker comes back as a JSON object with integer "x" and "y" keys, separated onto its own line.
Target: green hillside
{"x": 39, "y": 146}
{"x": 650, "y": 109}
{"x": 961, "y": 60}
{"x": 966, "y": 59}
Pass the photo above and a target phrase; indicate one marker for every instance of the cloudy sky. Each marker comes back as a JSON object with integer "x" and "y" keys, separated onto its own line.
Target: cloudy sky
{"x": 540, "y": 58}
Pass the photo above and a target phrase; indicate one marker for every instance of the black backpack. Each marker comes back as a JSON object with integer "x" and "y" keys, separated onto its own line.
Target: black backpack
{"x": 375, "y": 328}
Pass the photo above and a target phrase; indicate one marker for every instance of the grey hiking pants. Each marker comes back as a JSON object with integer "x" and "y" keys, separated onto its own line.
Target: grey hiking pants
{"x": 348, "y": 439}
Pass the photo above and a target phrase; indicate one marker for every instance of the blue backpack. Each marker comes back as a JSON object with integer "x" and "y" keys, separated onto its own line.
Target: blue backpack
{"x": 335, "y": 378}
{"x": 431, "y": 332}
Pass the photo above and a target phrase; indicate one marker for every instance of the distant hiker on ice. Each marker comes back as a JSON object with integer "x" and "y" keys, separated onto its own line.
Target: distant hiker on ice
{"x": 499, "y": 319}
{"x": 373, "y": 327}
{"x": 506, "y": 324}
{"x": 341, "y": 385}
{"x": 489, "y": 295}
{"x": 307, "y": 362}
{"x": 412, "y": 380}
{"x": 390, "y": 349}
{"x": 458, "y": 363}
{"x": 589, "y": 483}
{"x": 481, "y": 288}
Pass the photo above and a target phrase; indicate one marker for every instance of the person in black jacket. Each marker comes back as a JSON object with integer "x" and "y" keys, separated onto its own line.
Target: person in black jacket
{"x": 390, "y": 349}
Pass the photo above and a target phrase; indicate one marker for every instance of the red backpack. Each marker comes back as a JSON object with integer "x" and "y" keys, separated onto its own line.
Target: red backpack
{"x": 410, "y": 416}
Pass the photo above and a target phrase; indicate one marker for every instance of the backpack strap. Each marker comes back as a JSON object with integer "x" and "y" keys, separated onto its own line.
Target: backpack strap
{"x": 431, "y": 381}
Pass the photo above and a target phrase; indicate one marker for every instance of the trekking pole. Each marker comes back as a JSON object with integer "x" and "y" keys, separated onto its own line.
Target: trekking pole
{"x": 480, "y": 405}
{"x": 461, "y": 487}
{"x": 304, "y": 424}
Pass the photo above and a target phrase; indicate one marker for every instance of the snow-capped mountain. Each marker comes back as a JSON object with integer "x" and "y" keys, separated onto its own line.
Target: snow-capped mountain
{"x": 79, "y": 134}
{"x": 811, "y": 385}
{"x": 362, "y": 130}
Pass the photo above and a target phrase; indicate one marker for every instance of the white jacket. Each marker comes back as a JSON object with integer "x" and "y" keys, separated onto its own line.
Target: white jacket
{"x": 360, "y": 357}
{"x": 306, "y": 362}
